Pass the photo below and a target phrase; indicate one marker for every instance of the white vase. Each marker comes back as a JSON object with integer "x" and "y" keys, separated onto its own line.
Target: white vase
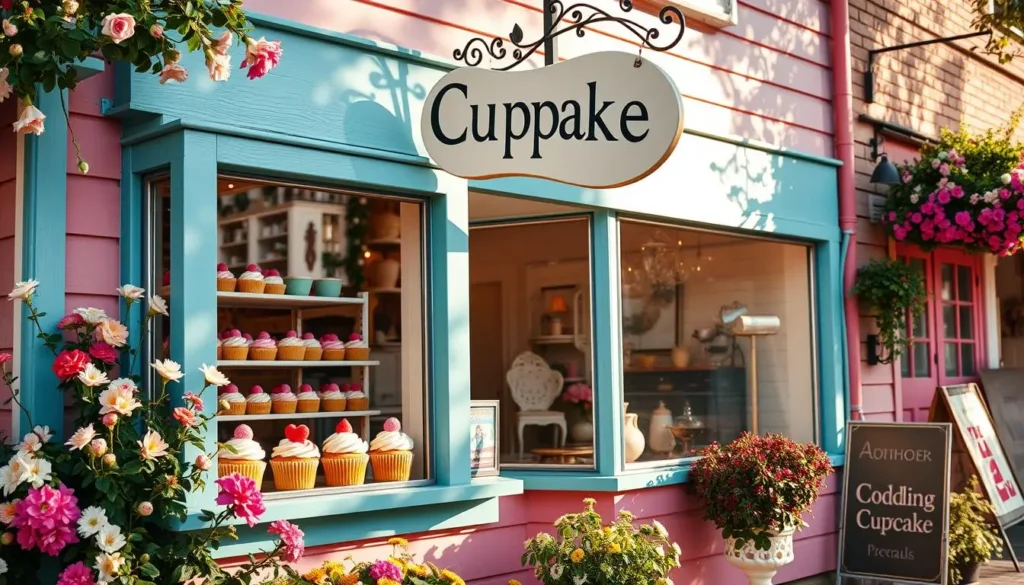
{"x": 659, "y": 436}
{"x": 760, "y": 566}
{"x": 634, "y": 439}
{"x": 582, "y": 431}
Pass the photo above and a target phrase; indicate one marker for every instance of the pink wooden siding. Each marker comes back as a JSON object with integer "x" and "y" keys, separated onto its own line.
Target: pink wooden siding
{"x": 471, "y": 553}
{"x": 766, "y": 79}
{"x": 8, "y": 171}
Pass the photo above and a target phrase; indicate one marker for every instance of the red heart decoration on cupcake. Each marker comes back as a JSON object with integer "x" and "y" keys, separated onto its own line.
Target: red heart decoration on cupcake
{"x": 343, "y": 427}
{"x": 296, "y": 434}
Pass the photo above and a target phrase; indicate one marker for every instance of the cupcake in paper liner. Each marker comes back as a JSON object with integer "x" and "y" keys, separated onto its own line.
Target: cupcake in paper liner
{"x": 307, "y": 400}
{"x": 235, "y": 400}
{"x": 294, "y": 460}
{"x": 220, "y": 349}
{"x": 234, "y": 346}
{"x": 355, "y": 398}
{"x": 274, "y": 284}
{"x": 263, "y": 348}
{"x": 225, "y": 278}
{"x": 344, "y": 457}
{"x": 391, "y": 453}
{"x": 258, "y": 401}
{"x": 333, "y": 348}
{"x": 313, "y": 349}
{"x": 332, "y": 399}
{"x": 291, "y": 348}
{"x": 356, "y": 348}
{"x": 241, "y": 454}
{"x": 282, "y": 400}
{"x": 251, "y": 281}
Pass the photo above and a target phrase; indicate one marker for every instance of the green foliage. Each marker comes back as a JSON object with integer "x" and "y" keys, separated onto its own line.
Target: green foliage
{"x": 758, "y": 484}
{"x": 1001, "y": 16}
{"x": 412, "y": 573}
{"x": 893, "y": 290}
{"x": 583, "y": 550}
{"x": 972, "y": 538}
{"x": 357, "y": 228}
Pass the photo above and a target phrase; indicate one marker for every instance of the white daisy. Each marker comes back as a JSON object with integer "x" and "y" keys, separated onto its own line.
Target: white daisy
{"x": 92, "y": 521}
{"x": 110, "y": 540}
{"x": 108, "y": 566}
{"x": 34, "y": 471}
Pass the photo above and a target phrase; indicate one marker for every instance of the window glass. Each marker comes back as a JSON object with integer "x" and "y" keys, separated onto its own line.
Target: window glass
{"x": 530, "y": 323}
{"x": 687, "y": 379}
{"x": 320, "y": 297}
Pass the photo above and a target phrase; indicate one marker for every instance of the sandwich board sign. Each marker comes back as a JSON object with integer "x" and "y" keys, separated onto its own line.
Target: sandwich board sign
{"x": 600, "y": 120}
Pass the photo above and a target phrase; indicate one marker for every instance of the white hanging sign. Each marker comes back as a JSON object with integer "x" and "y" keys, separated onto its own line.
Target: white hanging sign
{"x": 595, "y": 121}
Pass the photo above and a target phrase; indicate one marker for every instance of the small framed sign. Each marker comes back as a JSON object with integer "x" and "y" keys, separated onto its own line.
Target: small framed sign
{"x": 483, "y": 437}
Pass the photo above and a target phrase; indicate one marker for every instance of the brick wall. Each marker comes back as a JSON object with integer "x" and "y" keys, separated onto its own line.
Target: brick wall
{"x": 927, "y": 88}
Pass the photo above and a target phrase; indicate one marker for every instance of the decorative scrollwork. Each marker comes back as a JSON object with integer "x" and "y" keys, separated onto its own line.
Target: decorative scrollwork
{"x": 574, "y": 17}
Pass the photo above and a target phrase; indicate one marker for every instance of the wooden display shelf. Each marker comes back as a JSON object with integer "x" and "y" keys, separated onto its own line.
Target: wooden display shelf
{"x": 263, "y": 301}
{"x": 669, "y": 369}
{"x": 293, "y": 364}
{"x": 296, "y": 415}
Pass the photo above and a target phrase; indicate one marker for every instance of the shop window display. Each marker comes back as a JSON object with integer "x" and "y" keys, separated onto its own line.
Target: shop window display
{"x": 530, "y": 324}
{"x": 688, "y": 377}
{"x": 320, "y": 308}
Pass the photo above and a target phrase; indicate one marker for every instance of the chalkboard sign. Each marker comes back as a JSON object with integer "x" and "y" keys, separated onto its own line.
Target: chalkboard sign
{"x": 896, "y": 502}
{"x": 1004, "y": 393}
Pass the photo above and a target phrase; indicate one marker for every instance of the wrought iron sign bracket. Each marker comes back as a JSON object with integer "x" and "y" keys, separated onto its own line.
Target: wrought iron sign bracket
{"x": 869, "y": 72}
{"x": 560, "y": 18}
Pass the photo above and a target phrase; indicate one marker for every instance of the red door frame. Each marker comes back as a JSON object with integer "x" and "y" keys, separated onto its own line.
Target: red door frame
{"x": 917, "y": 392}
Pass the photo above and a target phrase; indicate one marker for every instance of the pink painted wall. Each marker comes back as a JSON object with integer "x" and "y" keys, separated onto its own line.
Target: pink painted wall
{"x": 489, "y": 555}
{"x": 8, "y": 164}
{"x": 765, "y": 79}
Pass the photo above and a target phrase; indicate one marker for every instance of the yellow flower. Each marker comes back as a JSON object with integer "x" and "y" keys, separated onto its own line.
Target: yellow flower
{"x": 452, "y": 577}
{"x": 514, "y": 582}
{"x": 350, "y": 579}
{"x": 607, "y": 530}
{"x": 614, "y": 548}
{"x": 386, "y": 581}
{"x": 315, "y": 576}
{"x": 418, "y": 570}
{"x": 577, "y": 555}
{"x": 397, "y": 541}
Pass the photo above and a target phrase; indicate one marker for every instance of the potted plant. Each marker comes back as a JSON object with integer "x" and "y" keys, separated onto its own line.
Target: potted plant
{"x": 972, "y": 539}
{"x": 398, "y": 569}
{"x": 584, "y": 550}
{"x": 891, "y": 290}
{"x": 582, "y": 396}
{"x": 756, "y": 490}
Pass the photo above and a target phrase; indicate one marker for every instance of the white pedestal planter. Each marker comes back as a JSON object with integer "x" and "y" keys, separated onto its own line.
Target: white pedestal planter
{"x": 760, "y": 566}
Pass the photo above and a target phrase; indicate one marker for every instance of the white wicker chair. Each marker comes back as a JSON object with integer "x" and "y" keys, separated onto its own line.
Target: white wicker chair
{"x": 535, "y": 386}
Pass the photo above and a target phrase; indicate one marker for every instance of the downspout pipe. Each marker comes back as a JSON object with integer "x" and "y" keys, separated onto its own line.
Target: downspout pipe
{"x": 842, "y": 110}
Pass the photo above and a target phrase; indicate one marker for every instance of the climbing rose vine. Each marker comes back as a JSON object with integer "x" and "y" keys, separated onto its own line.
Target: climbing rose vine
{"x": 966, "y": 190}
{"x": 42, "y": 40}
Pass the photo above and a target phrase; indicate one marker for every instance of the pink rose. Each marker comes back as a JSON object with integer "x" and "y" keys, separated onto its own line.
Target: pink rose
{"x": 98, "y": 447}
{"x": 145, "y": 509}
{"x": 9, "y": 28}
{"x": 219, "y": 66}
{"x": 5, "y": 357}
{"x": 203, "y": 462}
{"x": 156, "y": 31}
{"x": 110, "y": 460}
{"x": 110, "y": 420}
{"x": 173, "y": 72}
{"x": 119, "y": 27}
{"x": 5, "y": 88}
{"x": 223, "y": 44}
{"x": 261, "y": 56}
{"x": 31, "y": 120}
{"x": 104, "y": 352}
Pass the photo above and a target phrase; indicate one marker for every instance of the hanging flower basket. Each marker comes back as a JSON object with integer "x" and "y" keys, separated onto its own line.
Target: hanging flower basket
{"x": 966, "y": 190}
{"x": 42, "y": 40}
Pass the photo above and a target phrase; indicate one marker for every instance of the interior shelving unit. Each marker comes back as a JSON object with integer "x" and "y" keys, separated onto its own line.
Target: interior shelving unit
{"x": 264, "y": 235}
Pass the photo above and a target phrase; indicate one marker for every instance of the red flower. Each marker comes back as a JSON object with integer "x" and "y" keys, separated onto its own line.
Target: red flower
{"x": 5, "y": 357}
{"x": 71, "y": 321}
{"x": 104, "y": 352}
{"x": 69, "y": 363}
{"x": 194, "y": 400}
{"x": 186, "y": 417}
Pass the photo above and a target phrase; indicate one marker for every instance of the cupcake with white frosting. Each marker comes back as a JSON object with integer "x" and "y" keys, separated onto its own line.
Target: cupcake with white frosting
{"x": 356, "y": 348}
{"x": 225, "y": 278}
{"x": 241, "y": 454}
{"x": 344, "y": 457}
{"x": 282, "y": 400}
{"x": 334, "y": 348}
{"x": 274, "y": 284}
{"x": 332, "y": 399}
{"x": 295, "y": 460}
{"x": 291, "y": 348}
{"x": 251, "y": 281}
{"x": 307, "y": 400}
{"x": 391, "y": 453}
{"x": 234, "y": 346}
{"x": 314, "y": 351}
{"x": 234, "y": 399}
{"x": 355, "y": 398}
{"x": 258, "y": 401}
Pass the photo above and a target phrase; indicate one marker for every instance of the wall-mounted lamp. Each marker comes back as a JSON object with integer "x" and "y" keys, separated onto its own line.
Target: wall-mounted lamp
{"x": 885, "y": 172}
{"x": 874, "y": 357}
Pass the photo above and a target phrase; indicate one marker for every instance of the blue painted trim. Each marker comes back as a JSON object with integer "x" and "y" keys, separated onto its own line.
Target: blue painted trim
{"x": 344, "y": 504}
{"x": 194, "y": 304}
{"x": 89, "y": 67}
{"x": 606, "y": 341}
{"x": 43, "y": 258}
{"x": 832, "y": 391}
{"x": 131, "y": 254}
{"x": 359, "y": 526}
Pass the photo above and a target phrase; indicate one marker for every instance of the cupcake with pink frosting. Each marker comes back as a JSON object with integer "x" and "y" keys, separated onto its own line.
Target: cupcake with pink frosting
{"x": 251, "y": 281}
{"x": 234, "y": 346}
{"x": 308, "y": 401}
{"x": 332, "y": 399}
{"x": 356, "y": 348}
{"x": 258, "y": 401}
{"x": 291, "y": 348}
{"x": 313, "y": 349}
{"x": 274, "y": 283}
{"x": 225, "y": 278}
{"x": 334, "y": 348}
{"x": 355, "y": 398}
{"x": 282, "y": 400}
{"x": 263, "y": 348}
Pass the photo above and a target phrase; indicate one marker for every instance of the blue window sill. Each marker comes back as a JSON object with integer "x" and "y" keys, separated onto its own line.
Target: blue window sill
{"x": 629, "y": 480}
{"x": 337, "y": 518}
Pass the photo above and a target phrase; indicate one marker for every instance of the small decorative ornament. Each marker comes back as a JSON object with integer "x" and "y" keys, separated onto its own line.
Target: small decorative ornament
{"x": 299, "y": 434}
{"x": 392, "y": 425}
{"x": 244, "y": 432}
{"x": 343, "y": 426}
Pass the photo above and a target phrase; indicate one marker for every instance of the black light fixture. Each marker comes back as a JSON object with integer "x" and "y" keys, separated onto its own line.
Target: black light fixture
{"x": 885, "y": 172}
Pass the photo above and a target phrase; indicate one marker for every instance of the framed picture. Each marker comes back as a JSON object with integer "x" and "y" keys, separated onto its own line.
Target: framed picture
{"x": 651, "y": 317}
{"x": 483, "y": 437}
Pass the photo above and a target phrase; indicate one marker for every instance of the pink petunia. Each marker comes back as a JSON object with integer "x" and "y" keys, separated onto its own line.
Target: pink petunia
{"x": 291, "y": 540}
{"x": 241, "y": 495}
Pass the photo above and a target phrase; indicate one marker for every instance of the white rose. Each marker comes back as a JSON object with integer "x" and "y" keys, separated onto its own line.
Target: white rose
{"x": 157, "y": 306}
{"x": 23, "y": 290}
{"x": 91, "y": 315}
{"x": 31, "y": 121}
{"x": 92, "y": 377}
{"x": 914, "y": 198}
{"x": 131, "y": 292}
{"x": 943, "y": 156}
{"x": 213, "y": 376}
{"x": 169, "y": 370}
{"x": 1006, "y": 178}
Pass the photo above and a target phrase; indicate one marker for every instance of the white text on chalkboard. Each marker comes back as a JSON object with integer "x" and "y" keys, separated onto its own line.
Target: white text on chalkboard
{"x": 902, "y": 497}
{"x": 889, "y": 454}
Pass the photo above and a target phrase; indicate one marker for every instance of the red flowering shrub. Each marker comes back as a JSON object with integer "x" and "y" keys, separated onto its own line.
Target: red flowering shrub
{"x": 757, "y": 484}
